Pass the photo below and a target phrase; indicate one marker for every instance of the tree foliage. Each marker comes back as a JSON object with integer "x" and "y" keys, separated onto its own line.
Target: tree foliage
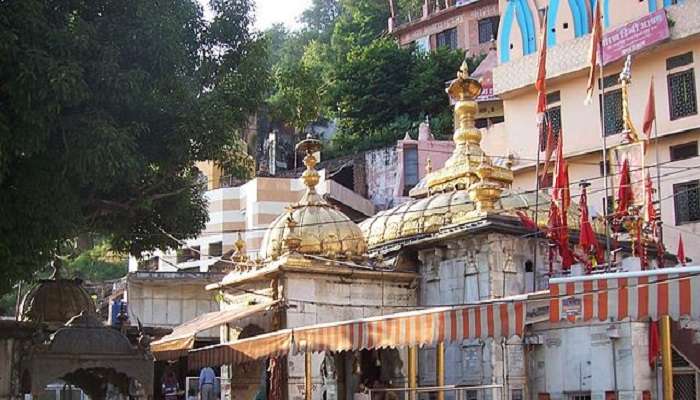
{"x": 104, "y": 108}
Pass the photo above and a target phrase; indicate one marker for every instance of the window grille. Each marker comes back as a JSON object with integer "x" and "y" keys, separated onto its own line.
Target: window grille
{"x": 580, "y": 396}
{"x": 488, "y": 29}
{"x": 410, "y": 168}
{"x": 686, "y": 199}
{"x": 684, "y": 386}
{"x": 682, "y": 94}
{"x": 612, "y": 112}
{"x": 447, "y": 38}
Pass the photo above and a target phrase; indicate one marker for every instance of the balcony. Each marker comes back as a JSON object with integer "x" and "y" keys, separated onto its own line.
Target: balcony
{"x": 571, "y": 57}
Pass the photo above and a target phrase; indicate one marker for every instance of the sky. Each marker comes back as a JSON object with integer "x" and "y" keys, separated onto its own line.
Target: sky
{"x": 270, "y": 12}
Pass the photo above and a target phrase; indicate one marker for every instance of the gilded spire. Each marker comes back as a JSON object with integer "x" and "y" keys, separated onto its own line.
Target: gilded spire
{"x": 461, "y": 169}
{"x": 309, "y": 146}
{"x": 625, "y": 79}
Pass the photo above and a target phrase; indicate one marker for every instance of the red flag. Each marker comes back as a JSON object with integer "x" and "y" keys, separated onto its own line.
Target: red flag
{"x": 587, "y": 239}
{"x": 654, "y": 343}
{"x": 681, "y": 251}
{"x": 625, "y": 195}
{"x": 526, "y": 221}
{"x": 649, "y": 111}
{"x": 550, "y": 142}
{"x": 540, "y": 83}
{"x": 561, "y": 179}
{"x": 596, "y": 39}
{"x": 559, "y": 234}
{"x": 649, "y": 191}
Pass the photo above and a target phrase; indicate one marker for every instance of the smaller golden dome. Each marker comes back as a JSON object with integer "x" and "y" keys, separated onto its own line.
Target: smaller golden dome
{"x": 56, "y": 300}
{"x": 313, "y": 226}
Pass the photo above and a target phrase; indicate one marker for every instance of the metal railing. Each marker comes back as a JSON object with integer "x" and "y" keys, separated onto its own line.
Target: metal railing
{"x": 449, "y": 392}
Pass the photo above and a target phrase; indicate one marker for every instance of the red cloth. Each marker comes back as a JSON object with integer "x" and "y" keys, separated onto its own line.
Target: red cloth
{"x": 649, "y": 111}
{"x": 587, "y": 239}
{"x": 561, "y": 178}
{"x": 681, "y": 251}
{"x": 559, "y": 234}
{"x": 526, "y": 221}
{"x": 550, "y": 141}
{"x": 649, "y": 191}
{"x": 596, "y": 39}
{"x": 654, "y": 343}
{"x": 540, "y": 83}
{"x": 625, "y": 195}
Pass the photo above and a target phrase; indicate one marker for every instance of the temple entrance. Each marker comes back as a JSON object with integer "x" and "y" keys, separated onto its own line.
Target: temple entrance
{"x": 348, "y": 375}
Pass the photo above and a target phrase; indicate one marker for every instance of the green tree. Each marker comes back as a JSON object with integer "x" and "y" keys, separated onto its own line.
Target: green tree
{"x": 320, "y": 17}
{"x": 359, "y": 23}
{"x": 104, "y": 108}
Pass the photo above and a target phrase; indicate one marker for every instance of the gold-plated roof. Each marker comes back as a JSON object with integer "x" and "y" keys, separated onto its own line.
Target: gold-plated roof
{"x": 461, "y": 169}
{"x": 468, "y": 187}
{"x": 313, "y": 226}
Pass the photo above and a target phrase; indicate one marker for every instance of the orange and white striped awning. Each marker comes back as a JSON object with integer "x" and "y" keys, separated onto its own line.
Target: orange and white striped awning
{"x": 636, "y": 296}
{"x": 182, "y": 338}
{"x": 242, "y": 351}
{"x": 502, "y": 318}
{"x": 424, "y": 327}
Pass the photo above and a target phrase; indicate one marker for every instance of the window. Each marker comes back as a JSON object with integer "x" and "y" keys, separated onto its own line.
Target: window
{"x": 681, "y": 93}
{"x": 516, "y": 394}
{"x": 678, "y": 61}
{"x": 686, "y": 200}
{"x": 682, "y": 96}
{"x": 579, "y": 396}
{"x": 609, "y": 204}
{"x": 603, "y": 167}
{"x": 215, "y": 249}
{"x": 471, "y": 395}
{"x": 612, "y": 112}
{"x": 684, "y": 151}
{"x": 410, "y": 168}
{"x": 447, "y": 38}
{"x": 488, "y": 29}
{"x": 553, "y": 117}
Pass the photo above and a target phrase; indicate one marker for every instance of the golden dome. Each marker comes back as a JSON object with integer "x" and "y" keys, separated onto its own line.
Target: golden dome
{"x": 313, "y": 226}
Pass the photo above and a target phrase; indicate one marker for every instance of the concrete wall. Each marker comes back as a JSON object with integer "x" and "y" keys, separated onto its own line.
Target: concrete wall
{"x": 580, "y": 359}
{"x": 166, "y": 303}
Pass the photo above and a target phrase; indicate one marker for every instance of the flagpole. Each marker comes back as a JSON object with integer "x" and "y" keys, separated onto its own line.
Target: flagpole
{"x": 537, "y": 200}
{"x": 605, "y": 162}
{"x": 658, "y": 170}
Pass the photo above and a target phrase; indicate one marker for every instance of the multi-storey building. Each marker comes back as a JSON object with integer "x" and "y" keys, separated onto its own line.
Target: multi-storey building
{"x": 662, "y": 37}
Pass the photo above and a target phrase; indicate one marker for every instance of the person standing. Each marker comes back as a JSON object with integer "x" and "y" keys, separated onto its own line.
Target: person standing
{"x": 206, "y": 383}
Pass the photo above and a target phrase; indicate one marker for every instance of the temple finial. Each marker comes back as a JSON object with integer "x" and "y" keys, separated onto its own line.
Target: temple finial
{"x": 625, "y": 79}
{"x": 309, "y": 146}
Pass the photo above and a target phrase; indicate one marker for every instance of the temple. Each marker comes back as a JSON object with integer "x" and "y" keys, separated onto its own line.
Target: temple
{"x": 458, "y": 289}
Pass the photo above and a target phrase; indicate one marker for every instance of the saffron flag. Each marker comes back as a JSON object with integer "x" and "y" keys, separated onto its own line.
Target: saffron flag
{"x": 649, "y": 111}
{"x": 550, "y": 142}
{"x": 681, "y": 251}
{"x": 596, "y": 39}
{"x": 625, "y": 195}
{"x": 526, "y": 221}
{"x": 540, "y": 83}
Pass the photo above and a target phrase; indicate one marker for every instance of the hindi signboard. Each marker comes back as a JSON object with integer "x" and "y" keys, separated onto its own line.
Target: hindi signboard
{"x": 636, "y": 35}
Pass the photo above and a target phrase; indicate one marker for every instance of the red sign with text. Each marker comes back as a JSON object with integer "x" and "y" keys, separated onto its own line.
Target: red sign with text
{"x": 631, "y": 37}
